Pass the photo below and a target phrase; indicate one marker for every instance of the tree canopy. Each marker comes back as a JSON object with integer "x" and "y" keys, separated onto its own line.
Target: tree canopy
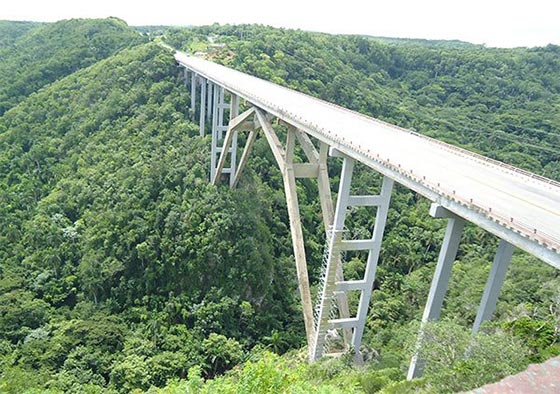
{"x": 123, "y": 270}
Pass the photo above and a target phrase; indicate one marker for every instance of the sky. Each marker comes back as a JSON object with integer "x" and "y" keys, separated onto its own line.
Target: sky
{"x": 495, "y": 23}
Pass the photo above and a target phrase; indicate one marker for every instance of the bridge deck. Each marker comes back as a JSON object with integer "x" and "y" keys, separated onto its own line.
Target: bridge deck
{"x": 522, "y": 208}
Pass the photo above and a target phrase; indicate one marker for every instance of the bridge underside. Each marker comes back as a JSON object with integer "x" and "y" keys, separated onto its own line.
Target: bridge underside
{"x": 330, "y": 329}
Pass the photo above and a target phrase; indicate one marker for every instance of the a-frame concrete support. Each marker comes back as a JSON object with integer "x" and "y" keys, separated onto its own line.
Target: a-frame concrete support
{"x": 229, "y": 141}
{"x": 440, "y": 280}
{"x": 291, "y": 170}
{"x": 285, "y": 161}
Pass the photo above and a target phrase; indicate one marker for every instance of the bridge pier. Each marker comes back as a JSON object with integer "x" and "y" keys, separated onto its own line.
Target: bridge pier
{"x": 285, "y": 161}
{"x": 230, "y": 141}
{"x": 494, "y": 284}
{"x": 335, "y": 288}
{"x": 442, "y": 274}
{"x": 440, "y": 280}
{"x": 220, "y": 128}
{"x": 333, "y": 284}
{"x": 193, "y": 92}
{"x": 202, "y": 117}
{"x": 209, "y": 102}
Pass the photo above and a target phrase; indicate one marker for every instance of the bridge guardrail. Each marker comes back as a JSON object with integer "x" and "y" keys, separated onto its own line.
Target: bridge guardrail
{"x": 516, "y": 225}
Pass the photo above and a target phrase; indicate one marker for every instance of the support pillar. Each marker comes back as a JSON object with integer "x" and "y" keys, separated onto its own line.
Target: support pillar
{"x": 297, "y": 233}
{"x": 218, "y": 129}
{"x": 228, "y": 146}
{"x": 371, "y": 266}
{"x": 193, "y": 93}
{"x": 209, "y": 101}
{"x": 284, "y": 158}
{"x": 332, "y": 285}
{"x": 214, "y": 143}
{"x": 494, "y": 284}
{"x": 233, "y": 113}
{"x": 325, "y": 198}
{"x": 440, "y": 280}
{"x": 202, "y": 118}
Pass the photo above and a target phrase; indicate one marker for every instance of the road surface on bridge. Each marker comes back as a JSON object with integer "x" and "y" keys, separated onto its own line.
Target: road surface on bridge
{"x": 518, "y": 206}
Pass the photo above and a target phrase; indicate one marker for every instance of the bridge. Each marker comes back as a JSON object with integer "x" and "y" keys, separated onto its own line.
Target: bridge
{"x": 520, "y": 208}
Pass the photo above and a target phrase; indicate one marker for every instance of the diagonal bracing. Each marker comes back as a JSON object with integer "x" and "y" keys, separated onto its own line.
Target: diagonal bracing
{"x": 331, "y": 286}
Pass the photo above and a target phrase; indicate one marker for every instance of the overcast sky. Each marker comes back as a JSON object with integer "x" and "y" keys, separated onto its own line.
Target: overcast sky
{"x": 491, "y": 22}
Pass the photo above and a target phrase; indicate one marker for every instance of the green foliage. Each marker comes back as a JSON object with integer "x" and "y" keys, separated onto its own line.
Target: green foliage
{"x": 123, "y": 270}
{"x": 42, "y": 53}
{"x": 538, "y": 335}
{"x": 456, "y": 360}
{"x": 221, "y": 353}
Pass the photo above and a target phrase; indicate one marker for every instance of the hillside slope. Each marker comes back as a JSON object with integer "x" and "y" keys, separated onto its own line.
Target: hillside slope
{"x": 108, "y": 213}
{"x": 11, "y": 30}
{"x": 33, "y": 55}
{"x": 122, "y": 269}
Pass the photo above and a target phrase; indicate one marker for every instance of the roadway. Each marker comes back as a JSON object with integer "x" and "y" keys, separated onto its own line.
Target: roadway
{"x": 517, "y": 206}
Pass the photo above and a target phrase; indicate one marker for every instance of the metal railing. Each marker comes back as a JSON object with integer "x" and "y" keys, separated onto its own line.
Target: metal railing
{"x": 542, "y": 238}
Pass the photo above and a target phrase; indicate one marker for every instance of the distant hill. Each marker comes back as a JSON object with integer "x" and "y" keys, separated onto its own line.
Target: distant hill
{"x": 421, "y": 41}
{"x": 11, "y": 30}
{"x": 35, "y": 54}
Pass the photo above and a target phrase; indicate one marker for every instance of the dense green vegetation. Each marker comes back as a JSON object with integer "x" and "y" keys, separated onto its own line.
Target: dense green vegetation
{"x": 122, "y": 269}
{"x": 34, "y": 55}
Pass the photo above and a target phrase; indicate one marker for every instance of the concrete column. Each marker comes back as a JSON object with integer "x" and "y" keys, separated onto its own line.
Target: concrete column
{"x": 193, "y": 93}
{"x": 209, "y": 101}
{"x": 202, "y": 118}
{"x": 214, "y": 144}
{"x": 440, "y": 282}
{"x": 233, "y": 113}
{"x": 371, "y": 266}
{"x": 220, "y": 104}
{"x": 297, "y": 236}
{"x": 494, "y": 284}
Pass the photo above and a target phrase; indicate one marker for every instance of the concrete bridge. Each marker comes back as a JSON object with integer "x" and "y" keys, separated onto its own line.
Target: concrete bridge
{"x": 520, "y": 208}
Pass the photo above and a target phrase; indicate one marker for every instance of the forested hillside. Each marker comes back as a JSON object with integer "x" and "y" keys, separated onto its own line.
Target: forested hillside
{"x": 122, "y": 269}
{"x": 33, "y": 55}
